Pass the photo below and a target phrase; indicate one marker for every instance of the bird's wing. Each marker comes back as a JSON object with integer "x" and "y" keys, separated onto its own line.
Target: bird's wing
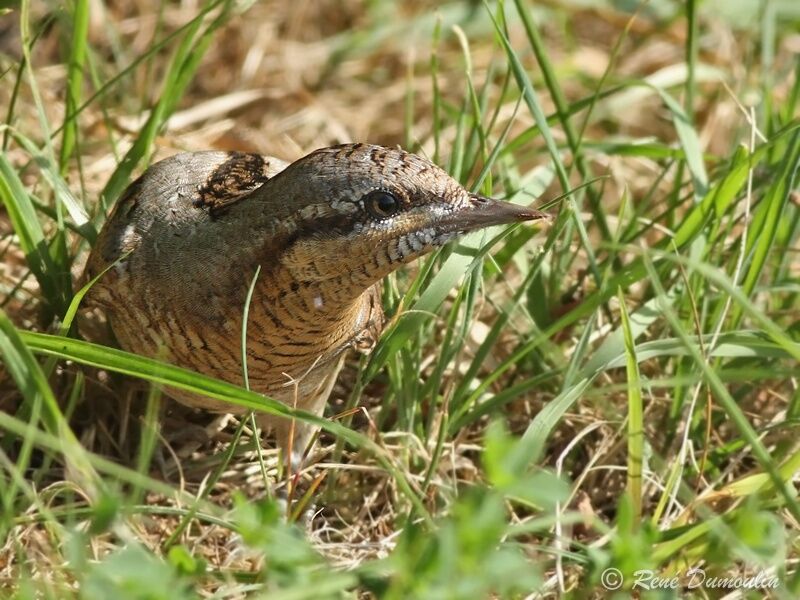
{"x": 233, "y": 179}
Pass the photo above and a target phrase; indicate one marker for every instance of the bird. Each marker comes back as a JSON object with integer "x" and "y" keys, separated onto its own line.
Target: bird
{"x": 182, "y": 246}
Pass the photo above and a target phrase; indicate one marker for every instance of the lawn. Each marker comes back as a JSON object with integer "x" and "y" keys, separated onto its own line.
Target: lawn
{"x": 605, "y": 404}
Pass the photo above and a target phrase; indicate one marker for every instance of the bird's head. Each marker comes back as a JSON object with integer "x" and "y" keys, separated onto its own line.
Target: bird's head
{"x": 361, "y": 211}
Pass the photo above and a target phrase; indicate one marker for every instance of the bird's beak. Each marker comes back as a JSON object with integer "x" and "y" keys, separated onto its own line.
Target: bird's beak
{"x": 486, "y": 212}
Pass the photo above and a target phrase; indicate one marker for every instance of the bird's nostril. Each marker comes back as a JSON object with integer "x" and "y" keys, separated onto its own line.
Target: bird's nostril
{"x": 477, "y": 199}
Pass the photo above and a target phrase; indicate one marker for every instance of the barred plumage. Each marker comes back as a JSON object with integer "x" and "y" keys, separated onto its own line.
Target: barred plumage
{"x": 325, "y": 230}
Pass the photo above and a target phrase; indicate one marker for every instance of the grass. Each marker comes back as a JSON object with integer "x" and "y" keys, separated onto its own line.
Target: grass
{"x": 551, "y": 411}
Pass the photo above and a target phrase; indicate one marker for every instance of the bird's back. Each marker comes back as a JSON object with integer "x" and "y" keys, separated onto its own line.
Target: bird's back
{"x": 170, "y": 222}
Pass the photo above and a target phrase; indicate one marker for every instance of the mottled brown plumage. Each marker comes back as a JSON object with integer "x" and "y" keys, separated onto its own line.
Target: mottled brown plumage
{"x": 325, "y": 230}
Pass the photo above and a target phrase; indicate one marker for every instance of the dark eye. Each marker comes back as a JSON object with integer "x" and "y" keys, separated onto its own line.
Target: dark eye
{"x": 381, "y": 204}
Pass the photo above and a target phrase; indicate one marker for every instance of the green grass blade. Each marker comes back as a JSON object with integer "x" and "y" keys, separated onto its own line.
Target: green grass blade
{"x": 245, "y": 315}
{"x": 534, "y": 441}
{"x": 768, "y": 214}
{"x": 31, "y": 236}
{"x": 635, "y": 415}
{"x": 690, "y": 142}
{"x": 77, "y": 60}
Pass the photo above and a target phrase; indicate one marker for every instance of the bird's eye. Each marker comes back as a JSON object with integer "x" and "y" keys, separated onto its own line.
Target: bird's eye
{"x": 381, "y": 204}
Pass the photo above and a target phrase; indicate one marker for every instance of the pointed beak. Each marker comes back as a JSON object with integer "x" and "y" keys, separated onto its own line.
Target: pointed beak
{"x": 486, "y": 212}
